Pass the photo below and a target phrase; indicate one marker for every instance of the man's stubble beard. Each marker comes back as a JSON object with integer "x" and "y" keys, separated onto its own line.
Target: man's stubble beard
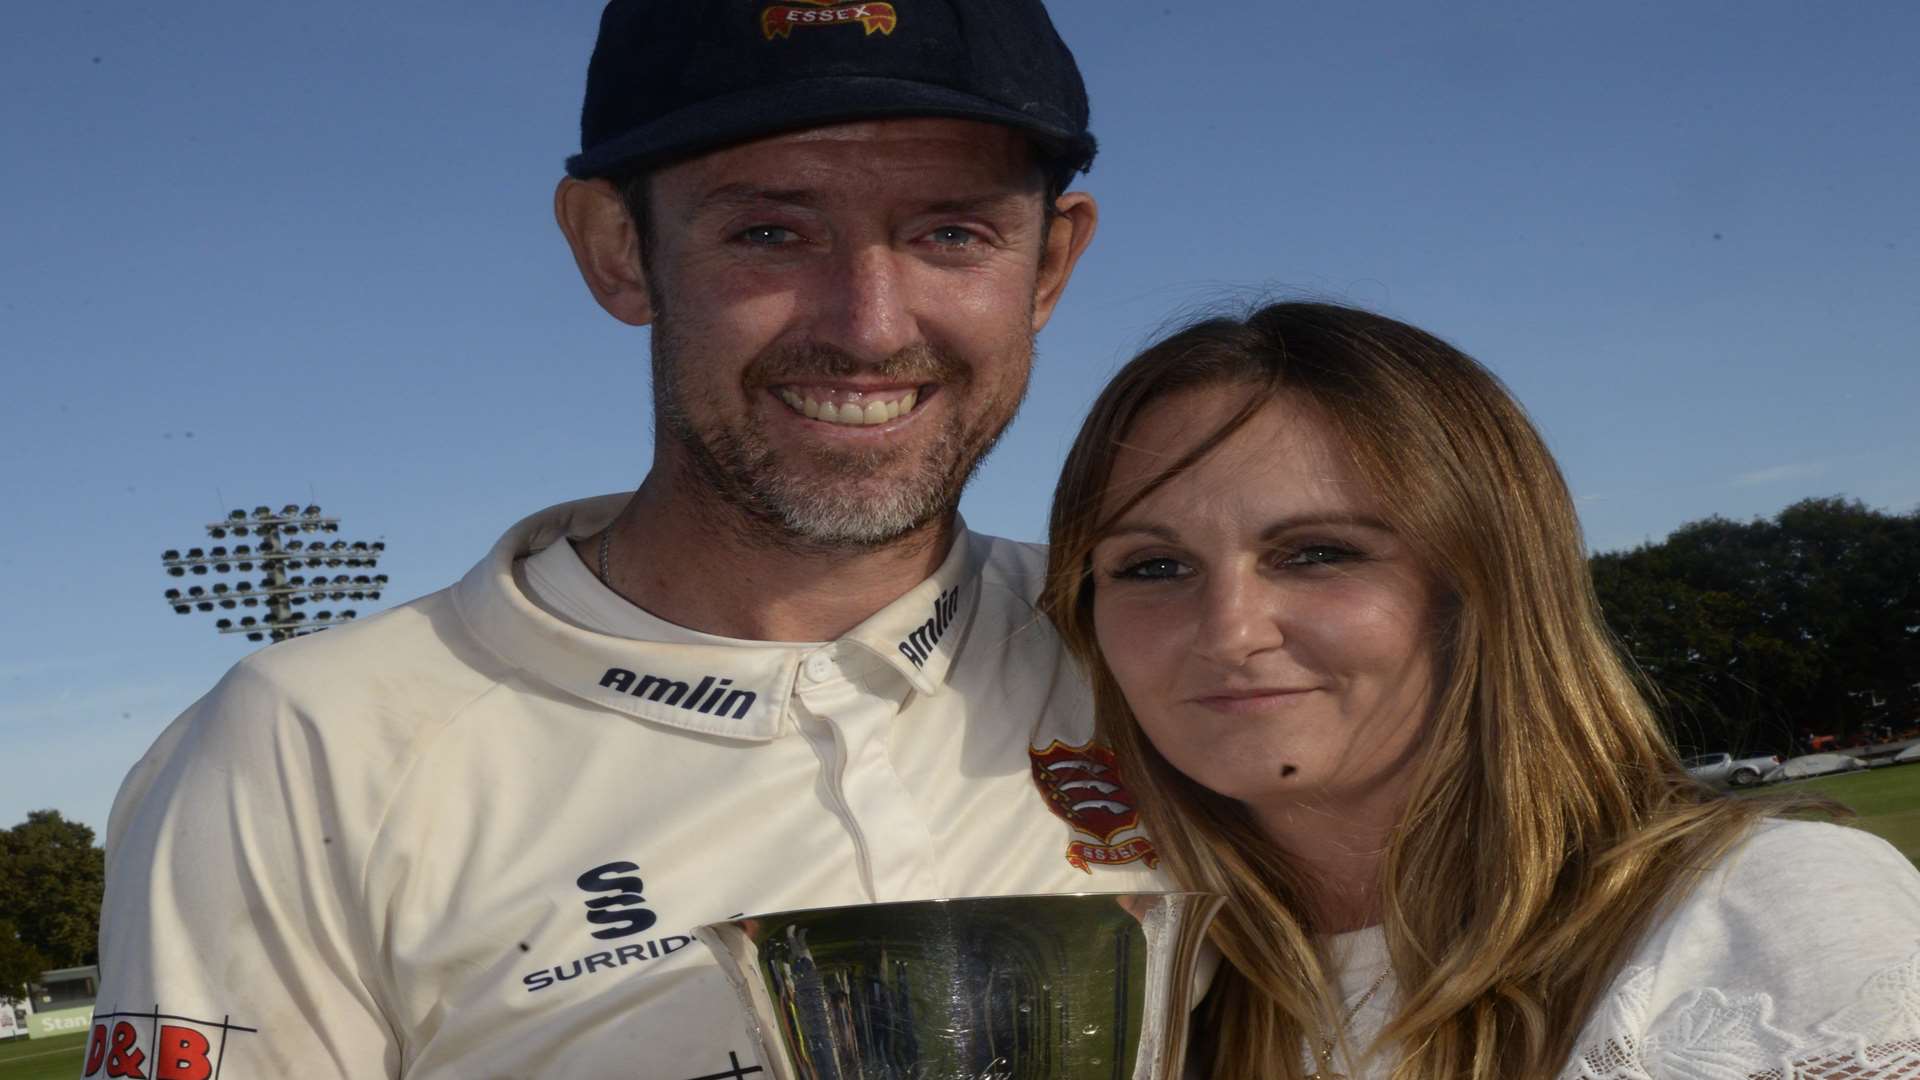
{"x": 832, "y": 503}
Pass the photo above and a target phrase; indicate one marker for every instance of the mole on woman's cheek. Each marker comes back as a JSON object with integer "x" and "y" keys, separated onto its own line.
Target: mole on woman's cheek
{"x": 1288, "y": 770}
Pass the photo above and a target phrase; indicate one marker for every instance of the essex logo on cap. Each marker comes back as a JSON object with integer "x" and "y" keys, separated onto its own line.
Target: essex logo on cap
{"x": 1082, "y": 785}
{"x": 779, "y": 20}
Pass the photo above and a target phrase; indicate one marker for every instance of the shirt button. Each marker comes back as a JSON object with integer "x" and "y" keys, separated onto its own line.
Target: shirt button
{"x": 819, "y": 667}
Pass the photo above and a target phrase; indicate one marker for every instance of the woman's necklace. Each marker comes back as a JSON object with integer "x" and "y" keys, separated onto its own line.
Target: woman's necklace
{"x": 1326, "y": 1043}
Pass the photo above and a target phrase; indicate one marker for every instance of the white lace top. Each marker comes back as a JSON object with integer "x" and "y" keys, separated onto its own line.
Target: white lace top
{"x": 1798, "y": 958}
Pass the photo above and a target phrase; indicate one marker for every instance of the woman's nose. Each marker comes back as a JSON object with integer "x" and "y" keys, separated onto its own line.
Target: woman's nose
{"x": 1240, "y": 616}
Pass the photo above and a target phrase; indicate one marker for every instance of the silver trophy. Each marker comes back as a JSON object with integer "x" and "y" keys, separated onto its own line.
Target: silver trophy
{"x": 1068, "y": 987}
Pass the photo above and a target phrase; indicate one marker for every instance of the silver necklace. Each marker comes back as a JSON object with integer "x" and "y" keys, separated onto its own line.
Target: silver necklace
{"x": 1320, "y": 1071}
{"x": 606, "y": 541}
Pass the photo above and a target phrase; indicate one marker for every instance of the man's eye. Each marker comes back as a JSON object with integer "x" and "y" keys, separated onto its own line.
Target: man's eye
{"x": 952, "y": 236}
{"x": 768, "y": 235}
{"x": 1157, "y": 569}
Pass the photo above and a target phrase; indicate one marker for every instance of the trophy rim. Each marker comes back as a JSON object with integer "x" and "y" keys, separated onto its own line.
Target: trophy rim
{"x": 1155, "y": 894}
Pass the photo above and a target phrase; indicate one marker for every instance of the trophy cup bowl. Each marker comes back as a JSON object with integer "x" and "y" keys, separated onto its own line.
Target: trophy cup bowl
{"x": 1063, "y": 987}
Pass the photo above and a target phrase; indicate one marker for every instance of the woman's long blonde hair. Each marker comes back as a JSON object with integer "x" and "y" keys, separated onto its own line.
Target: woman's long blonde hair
{"x": 1548, "y": 820}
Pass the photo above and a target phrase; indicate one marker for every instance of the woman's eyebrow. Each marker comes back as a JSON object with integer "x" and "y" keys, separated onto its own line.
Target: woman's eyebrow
{"x": 1308, "y": 521}
{"x": 1273, "y": 530}
{"x": 1137, "y": 528}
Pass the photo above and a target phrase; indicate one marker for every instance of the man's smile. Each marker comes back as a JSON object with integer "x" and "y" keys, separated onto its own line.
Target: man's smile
{"x": 850, "y": 407}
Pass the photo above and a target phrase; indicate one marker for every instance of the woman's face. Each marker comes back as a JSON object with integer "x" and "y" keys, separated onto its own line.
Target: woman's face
{"x": 1272, "y": 634}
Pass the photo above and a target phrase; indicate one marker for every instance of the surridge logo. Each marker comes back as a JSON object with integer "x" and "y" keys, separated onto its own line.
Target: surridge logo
{"x": 779, "y": 20}
{"x": 919, "y": 644}
{"x": 710, "y": 697}
{"x": 621, "y": 913}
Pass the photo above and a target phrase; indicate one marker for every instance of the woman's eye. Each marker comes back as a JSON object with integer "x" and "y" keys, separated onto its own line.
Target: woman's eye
{"x": 1152, "y": 570}
{"x": 766, "y": 235}
{"x": 1320, "y": 555}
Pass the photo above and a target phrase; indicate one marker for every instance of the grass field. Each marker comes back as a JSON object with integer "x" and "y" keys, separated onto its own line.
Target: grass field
{"x": 1887, "y": 801}
{"x": 56, "y": 1058}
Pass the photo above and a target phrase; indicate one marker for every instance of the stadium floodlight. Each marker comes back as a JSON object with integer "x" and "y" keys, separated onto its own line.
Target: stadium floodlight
{"x": 275, "y": 553}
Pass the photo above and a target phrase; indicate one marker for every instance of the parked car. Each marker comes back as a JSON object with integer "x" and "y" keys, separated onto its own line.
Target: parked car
{"x": 1725, "y": 770}
{"x": 1816, "y": 765}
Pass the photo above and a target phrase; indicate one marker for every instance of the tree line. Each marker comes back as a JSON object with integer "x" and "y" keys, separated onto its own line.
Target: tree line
{"x": 1759, "y": 636}
{"x": 52, "y": 876}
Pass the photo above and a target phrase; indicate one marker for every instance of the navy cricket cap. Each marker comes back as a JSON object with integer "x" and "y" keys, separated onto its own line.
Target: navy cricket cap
{"x": 670, "y": 78}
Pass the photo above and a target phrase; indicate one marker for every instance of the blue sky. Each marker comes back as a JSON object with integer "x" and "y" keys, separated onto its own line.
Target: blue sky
{"x": 270, "y": 253}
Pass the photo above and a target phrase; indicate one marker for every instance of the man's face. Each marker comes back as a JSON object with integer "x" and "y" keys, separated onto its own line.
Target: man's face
{"x": 844, "y": 319}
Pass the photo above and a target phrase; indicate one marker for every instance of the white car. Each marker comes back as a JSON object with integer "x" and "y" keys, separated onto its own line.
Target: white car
{"x": 1816, "y": 765}
{"x": 1725, "y": 770}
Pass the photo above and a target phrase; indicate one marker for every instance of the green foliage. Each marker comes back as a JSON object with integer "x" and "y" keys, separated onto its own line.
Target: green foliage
{"x": 1755, "y": 634}
{"x": 52, "y": 878}
{"x": 20, "y": 963}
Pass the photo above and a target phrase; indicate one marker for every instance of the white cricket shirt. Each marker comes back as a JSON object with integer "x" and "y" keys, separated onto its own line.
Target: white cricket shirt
{"x": 470, "y": 837}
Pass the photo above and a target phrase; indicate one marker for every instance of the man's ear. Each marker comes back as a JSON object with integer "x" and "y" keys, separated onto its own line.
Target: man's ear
{"x": 1069, "y": 231}
{"x": 606, "y": 247}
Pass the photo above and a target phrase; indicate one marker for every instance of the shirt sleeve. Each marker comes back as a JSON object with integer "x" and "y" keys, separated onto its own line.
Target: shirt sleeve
{"x": 231, "y": 944}
{"x": 1798, "y": 957}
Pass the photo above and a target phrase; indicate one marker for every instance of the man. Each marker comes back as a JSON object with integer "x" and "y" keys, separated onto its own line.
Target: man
{"x": 471, "y": 837}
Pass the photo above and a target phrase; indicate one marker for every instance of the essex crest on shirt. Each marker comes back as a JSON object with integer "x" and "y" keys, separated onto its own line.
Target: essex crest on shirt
{"x": 1083, "y": 787}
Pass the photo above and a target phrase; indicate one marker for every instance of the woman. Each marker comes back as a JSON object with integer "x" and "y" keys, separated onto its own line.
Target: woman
{"x": 1330, "y": 591}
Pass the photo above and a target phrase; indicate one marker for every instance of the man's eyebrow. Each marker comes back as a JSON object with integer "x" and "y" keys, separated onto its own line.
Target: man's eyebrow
{"x": 740, "y": 193}
{"x": 975, "y": 204}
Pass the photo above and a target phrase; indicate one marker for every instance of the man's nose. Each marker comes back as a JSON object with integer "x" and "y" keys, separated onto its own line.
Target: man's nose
{"x": 1240, "y": 617}
{"x": 863, "y": 307}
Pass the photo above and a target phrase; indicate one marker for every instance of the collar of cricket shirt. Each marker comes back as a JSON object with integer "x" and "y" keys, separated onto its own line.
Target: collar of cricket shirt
{"x": 684, "y": 679}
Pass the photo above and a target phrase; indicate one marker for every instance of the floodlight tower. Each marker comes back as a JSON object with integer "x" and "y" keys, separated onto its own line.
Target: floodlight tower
{"x": 277, "y": 554}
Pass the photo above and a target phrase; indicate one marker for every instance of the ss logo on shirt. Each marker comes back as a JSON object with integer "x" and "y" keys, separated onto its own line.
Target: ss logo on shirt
{"x": 621, "y": 913}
